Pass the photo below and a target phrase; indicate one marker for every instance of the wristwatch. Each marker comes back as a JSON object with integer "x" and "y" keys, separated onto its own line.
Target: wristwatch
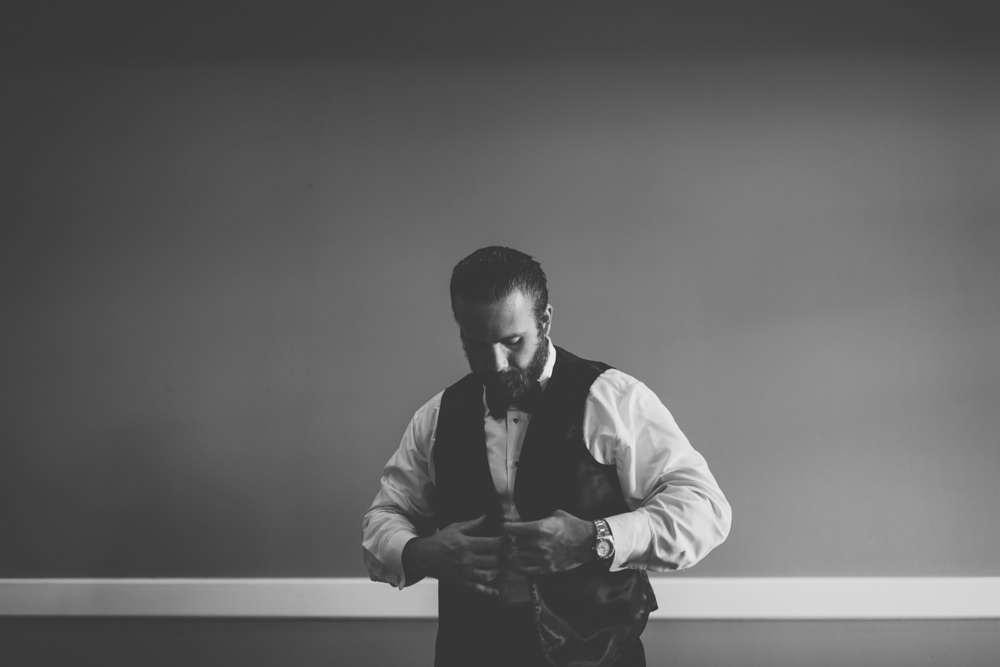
{"x": 604, "y": 544}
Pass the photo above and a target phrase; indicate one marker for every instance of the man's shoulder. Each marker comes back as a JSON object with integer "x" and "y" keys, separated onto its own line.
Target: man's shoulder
{"x": 430, "y": 408}
{"x": 610, "y": 385}
{"x": 605, "y": 372}
{"x": 615, "y": 382}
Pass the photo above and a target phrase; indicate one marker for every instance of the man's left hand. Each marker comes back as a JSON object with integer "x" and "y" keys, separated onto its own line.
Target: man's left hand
{"x": 556, "y": 543}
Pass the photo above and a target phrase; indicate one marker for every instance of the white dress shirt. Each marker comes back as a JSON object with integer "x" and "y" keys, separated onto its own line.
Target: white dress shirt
{"x": 678, "y": 512}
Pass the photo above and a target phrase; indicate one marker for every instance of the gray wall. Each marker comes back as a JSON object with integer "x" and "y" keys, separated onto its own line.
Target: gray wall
{"x": 227, "y": 237}
{"x": 224, "y": 283}
{"x": 225, "y": 287}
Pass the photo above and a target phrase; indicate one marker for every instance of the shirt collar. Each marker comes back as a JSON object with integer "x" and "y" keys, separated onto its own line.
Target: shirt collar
{"x": 550, "y": 363}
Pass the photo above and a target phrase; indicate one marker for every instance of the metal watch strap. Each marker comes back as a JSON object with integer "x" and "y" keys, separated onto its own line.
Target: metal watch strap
{"x": 605, "y": 538}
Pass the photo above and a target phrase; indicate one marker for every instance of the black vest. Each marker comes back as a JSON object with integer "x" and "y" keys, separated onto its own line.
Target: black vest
{"x": 583, "y": 616}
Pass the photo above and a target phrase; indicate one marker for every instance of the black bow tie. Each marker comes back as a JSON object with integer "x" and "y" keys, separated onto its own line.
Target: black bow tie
{"x": 528, "y": 402}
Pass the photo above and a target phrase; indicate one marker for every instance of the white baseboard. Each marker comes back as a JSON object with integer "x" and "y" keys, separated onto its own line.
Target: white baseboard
{"x": 348, "y": 598}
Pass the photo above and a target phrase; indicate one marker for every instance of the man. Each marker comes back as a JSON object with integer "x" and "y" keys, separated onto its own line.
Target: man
{"x": 537, "y": 490}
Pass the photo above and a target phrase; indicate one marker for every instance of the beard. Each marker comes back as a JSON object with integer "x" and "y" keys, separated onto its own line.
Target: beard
{"x": 510, "y": 384}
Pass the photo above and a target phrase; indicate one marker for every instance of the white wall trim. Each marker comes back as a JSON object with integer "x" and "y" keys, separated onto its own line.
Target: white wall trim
{"x": 348, "y": 598}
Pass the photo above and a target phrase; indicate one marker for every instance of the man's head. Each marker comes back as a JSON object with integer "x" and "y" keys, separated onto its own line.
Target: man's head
{"x": 500, "y": 300}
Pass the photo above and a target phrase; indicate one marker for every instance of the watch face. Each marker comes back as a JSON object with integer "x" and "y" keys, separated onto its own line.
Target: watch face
{"x": 603, "y": 549}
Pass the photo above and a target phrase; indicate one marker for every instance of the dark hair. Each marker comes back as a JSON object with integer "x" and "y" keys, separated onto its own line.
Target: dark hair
{"x": 492, "y": 273}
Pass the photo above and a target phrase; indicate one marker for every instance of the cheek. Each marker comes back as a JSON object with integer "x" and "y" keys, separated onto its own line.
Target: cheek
{"x": 522, "y": 358}
{"x": 481, "y": 361}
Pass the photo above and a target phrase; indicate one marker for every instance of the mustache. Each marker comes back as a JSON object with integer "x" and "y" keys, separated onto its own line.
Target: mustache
{"x": 505, "y": 386}
{"x": 509, "y": 378}
{"x": 506, "y": 374}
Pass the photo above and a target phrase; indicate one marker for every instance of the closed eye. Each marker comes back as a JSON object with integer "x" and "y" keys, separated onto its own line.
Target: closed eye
{"x": 512, "y": 341}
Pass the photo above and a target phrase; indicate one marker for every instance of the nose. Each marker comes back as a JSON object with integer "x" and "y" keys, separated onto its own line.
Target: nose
{"x": 498, "y": 358}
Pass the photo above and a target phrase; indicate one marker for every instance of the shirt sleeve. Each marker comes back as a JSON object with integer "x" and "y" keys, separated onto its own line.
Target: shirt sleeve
{"x": 678, "y": 512}
{"x": 402, "y": 509}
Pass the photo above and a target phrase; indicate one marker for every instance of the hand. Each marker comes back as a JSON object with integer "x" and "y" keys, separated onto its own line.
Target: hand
{"x": 553, "y": 544}
{"x": 451, "y": 554}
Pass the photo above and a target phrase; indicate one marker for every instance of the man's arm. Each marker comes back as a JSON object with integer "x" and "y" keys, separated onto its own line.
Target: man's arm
{"x": 400, "y": 542}
{"x": 401, "y": 510}
{"x": 678, "y": 512}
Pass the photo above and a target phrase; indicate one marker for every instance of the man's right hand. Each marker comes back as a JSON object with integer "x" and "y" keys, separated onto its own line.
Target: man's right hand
{"x": 453, "y": 555}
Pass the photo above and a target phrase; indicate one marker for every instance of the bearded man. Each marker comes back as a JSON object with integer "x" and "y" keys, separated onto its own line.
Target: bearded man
{"x": 538, "y": 490}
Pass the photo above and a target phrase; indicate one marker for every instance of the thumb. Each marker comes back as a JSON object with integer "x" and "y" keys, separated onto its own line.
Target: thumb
{"x": 471, "y": 524}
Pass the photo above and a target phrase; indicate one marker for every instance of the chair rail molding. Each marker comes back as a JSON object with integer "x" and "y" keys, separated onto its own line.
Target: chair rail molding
{"x": 688, "y": 598}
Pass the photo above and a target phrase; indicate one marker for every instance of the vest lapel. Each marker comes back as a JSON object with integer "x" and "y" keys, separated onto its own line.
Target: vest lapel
{"x": 464, "y": 488}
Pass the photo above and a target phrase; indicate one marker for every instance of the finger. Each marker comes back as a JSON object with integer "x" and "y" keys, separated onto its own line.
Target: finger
{"x": 480, "y": 588}
{"x": 485, "y": 560}
{"x": 533, "y": 570}
{"x": 486, "y": 549}
{"x": 517, "y": 529}
{"x": 527, "y": 545}
{"x": 471, "y": 524}
{"x": 483, "y": 574}
{"x": 486, "y": 544}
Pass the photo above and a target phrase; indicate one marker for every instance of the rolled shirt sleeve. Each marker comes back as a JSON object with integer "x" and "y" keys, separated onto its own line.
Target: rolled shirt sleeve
{"x": 401, "y": 509}
{"x": 678, "y": 512}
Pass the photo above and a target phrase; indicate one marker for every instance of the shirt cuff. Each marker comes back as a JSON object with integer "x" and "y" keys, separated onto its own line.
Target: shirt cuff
{"x": 632, "y": 537}
{"x": 394, "y": 555}
{"x": 387, "y": 567}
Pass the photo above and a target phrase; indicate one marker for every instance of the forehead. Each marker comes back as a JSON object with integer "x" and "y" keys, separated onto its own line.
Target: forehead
{"x": 488, "y": 322}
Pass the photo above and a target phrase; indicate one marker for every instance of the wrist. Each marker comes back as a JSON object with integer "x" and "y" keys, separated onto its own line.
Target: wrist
{"x": 414, "y": 559}
{"x": 604, "y": 540}
{"x": 589, "y": 539}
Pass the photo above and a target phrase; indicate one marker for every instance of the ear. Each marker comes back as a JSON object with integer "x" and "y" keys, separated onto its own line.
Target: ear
{"x": 546, "y": 320}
